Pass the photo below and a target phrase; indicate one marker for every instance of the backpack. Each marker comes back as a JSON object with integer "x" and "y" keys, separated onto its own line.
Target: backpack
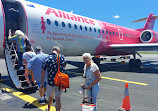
{"x": 61, "y": 79}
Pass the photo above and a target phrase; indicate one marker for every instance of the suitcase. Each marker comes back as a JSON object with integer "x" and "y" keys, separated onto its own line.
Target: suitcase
{"x": 86, "y": 104}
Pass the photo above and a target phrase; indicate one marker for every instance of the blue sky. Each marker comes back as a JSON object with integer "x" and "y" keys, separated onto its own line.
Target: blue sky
{"x": 125, "y": 11}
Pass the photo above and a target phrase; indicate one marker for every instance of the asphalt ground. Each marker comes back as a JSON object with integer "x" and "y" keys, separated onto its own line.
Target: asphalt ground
{"x": 143, "y": 88}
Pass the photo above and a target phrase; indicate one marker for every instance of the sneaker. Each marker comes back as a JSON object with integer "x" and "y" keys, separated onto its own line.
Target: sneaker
{"x": 45, "y": 100}
{"x": 42, "y": 102}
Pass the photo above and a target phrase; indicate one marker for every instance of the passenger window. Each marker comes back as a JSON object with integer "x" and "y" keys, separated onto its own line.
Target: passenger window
{"x": 110, "y": 32}
{"x": 103, "y": 31}
{"x": 106, "y": 31}
{"x": 85, "y": 28}
{"x": 113, "y": 33}
{"x": 90, "y": 29}
{"x": 63, "y": 24}
{"x": 94, "y": 29}
{"x": 99, "y": 30}
{"x": 48, "y": 22}
{"x": 69, "y": 25}
{"x": 75, "y": 26}
{"x": 56, "y": 23}
{"x": 80, "y": 27}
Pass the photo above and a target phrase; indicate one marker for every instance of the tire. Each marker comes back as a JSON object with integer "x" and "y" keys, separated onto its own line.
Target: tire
{"x": 113, "y": 60}
{"x": 131, "y": 63}
{"x": 137, "y": 63}
{"x": 96, "y": 60}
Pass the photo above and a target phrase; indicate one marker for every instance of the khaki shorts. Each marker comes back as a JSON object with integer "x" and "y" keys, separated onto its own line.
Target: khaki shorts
{"x": 51, "y": 90}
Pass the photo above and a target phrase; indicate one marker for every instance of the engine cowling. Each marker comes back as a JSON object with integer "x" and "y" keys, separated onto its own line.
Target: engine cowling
{"x": 149, "y": 36}
{"x": 146, "y": 36}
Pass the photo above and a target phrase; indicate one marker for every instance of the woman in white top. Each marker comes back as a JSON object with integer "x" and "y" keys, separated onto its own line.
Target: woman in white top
{"x": 92, "y": 77}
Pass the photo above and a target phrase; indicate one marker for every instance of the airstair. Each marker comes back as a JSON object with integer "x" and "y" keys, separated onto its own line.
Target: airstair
{"x": 16, "y": 75}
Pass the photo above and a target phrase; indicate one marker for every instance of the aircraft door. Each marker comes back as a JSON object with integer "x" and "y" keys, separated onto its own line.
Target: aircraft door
{"x": 15, "y": 18}
{"x": 120, "y": 34}
{"x": 2, "y": 28}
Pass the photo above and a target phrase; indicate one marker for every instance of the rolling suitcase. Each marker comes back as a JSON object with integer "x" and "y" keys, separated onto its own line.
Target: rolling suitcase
{"x": 86, "y": 104}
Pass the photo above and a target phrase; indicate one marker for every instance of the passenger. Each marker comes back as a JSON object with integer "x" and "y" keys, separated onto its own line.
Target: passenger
{"x": 35, "y": 65}
{"x": 26, "y": 58}
{"x": 27, "y": 55}
{"x": 92, "y": 77}
{"x": 51, "y": 66}
{"x": 19, "y": 39}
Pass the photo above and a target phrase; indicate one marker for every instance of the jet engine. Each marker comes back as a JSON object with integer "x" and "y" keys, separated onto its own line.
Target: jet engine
{"x": 146, "y": 36}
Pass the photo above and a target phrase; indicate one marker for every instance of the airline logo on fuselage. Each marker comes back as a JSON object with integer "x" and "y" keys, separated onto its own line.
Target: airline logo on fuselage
{"x": 43, "y": 27}
{"x": 69, "y": 16}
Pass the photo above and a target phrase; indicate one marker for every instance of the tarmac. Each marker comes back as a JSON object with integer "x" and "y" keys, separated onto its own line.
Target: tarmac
{"x": 143, "y": 88}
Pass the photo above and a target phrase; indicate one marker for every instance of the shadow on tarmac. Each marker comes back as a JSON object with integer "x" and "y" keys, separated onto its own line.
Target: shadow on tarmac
{"x": 30, "y": 105}
{"x": 147, "y": 67}
{"x": 9, "y": 83}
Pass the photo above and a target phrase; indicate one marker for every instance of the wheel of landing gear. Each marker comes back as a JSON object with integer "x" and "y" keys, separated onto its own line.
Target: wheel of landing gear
{"x": 131, "y": 63}
{"x": 113, "y": 60}
{"x": 96, "y": 60}
{"x": 134, "y": 63}
{"x": 137, "y": 63}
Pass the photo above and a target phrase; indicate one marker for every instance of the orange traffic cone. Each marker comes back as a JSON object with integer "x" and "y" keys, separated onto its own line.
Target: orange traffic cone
{"x": 126, "y": 101}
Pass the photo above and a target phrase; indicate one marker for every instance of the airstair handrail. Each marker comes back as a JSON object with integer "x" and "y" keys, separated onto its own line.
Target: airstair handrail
{"x": 12, "y": 46}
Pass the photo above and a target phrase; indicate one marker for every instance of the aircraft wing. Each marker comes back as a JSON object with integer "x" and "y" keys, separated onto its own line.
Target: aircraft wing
{"x": 135, "y": 47}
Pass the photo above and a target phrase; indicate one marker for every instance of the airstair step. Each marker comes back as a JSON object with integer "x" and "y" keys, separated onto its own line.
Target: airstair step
{"x": 15, "y": 60}
{"x": 17, "y": 66}
{"x": 9, "y": 46}
{"x": 13, "y": 48}
{"x": 24, "y": 83}
{"x": 12, "y": 57}
{"x": 22, "y": 78}
{"x": 21, "y": 72}
{"x": 9, "y": 43}
{"x": 12, "y": 52}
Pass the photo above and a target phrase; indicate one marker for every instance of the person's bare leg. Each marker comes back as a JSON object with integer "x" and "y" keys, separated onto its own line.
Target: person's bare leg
{"x": 57, "y": 104}
{"x": 44, "y": 90}
{"x": 41, "y": 91}
{"x": 50, "y": 101}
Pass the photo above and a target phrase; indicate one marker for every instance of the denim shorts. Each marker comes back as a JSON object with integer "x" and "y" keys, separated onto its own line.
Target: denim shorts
{"x": 39, "y": 84}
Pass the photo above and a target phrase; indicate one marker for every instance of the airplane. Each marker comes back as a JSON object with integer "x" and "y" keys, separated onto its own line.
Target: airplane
{"x": 74, "y": 34}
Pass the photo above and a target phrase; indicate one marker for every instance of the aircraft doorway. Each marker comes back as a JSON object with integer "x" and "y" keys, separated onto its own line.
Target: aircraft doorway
{"x": 120, "y": 34}
{"x": 15, "y": 18}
